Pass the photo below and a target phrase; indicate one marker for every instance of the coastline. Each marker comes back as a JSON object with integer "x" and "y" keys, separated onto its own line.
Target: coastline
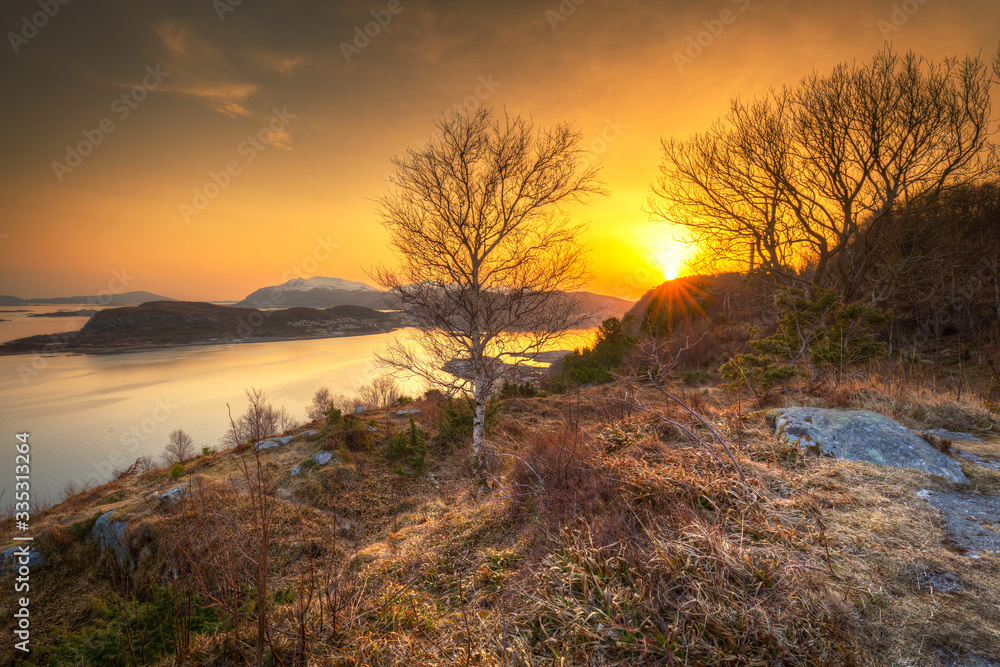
{"x": 73, "y": 350}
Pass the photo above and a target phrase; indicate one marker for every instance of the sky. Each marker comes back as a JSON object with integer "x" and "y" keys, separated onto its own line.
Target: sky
{"x": 201, "y": 149}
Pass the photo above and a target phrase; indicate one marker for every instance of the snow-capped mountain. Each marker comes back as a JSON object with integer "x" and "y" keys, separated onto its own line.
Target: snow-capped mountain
{"x": 318, "y": 292}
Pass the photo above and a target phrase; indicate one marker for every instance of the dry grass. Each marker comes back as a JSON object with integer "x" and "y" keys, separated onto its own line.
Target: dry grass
{"x": 604, "y": 540}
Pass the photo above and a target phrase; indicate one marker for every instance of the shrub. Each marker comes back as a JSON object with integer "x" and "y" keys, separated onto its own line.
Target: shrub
{"x": 207, "y": 451}
{"x": 695, "y": 377}
{"x": 597, "y": 364}
{"x": 816, "y": 335}
{"x": 454, "y": 427}
{"x": 176, "y": 471}
{"x": 409, "y": 446}
{"x": 515, "y": 390}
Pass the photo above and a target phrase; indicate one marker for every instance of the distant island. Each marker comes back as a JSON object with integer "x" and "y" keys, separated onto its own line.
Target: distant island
{"x": 167, "y": 323}
{"x": 66, "y": 313}
{"x": 123, "y": 299}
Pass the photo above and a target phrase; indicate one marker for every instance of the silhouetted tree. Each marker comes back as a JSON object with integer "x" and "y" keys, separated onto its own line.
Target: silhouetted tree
{"x": 785, "y": 183}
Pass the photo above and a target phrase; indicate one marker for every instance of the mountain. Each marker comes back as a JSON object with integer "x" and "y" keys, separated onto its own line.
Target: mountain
{"x": 602, "y": 307}
{"x": 318, "y": 292}
{"x": 124, "y": 299}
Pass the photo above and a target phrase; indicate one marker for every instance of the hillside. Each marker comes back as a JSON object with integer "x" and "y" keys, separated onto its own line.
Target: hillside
{"x": 603, "y": 540}
{"x": 180, "y": 322}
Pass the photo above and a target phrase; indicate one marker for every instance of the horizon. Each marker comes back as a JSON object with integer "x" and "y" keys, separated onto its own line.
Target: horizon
{"x": 235, "y": 145}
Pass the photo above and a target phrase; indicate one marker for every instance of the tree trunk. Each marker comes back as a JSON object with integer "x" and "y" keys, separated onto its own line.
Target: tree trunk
{"x": 479, "y": 424}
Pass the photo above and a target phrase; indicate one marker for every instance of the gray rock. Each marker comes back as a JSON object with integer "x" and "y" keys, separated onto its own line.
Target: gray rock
{"x": 110, "y": 533}
{"x": 175, "y": 494}
{"x": 939, "y": 582}
{"x": 309, "y": 433}
{"x": 411, "y": 411}
{"x": 275, "y": 442}
{"x": 964, "y": 517}
{"x": 953, "y": 435}
{"x": 321, "y": 458}
{"x": 296, "y": 470}
{"x": 11, "y": 558}
{"x": 861, "y": 435}
{"x": 992, "y": 465}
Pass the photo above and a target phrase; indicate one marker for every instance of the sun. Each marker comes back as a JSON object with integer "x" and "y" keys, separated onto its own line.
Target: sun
{"x": 670, "y": 264}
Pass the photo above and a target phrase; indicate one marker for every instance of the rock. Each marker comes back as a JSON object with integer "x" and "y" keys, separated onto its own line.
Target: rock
{"x": 107, "y": 532}
{"x": 309, "y": 433}
{"x": 964, "y": 517}
{"x": 275, "y": 442}
{"x": 862, "y": 435}
{"x": 360, "y": 410}
{"x": 175, "y": 494}
{"x": 16, "y": 553}
{"x": 939, "y": 582}
{"x": 296, "y": 470}
{"x": 321, "y": 458}
{"x": 992, "y": 465}
{"x": 953, "y": 435}
{"x": 411, "y": 411}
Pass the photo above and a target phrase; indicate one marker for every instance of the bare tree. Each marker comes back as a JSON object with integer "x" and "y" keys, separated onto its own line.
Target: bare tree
{"x": 322, "y": 401}
{"x": 261, "y": 420}
{"x": 787, "y": 182}
{"x": 485, "y": 258}
{"x": 383, "y": 392}
{"x": 179, "y": 449}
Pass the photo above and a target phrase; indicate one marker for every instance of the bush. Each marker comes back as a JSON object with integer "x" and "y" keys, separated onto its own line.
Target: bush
{"x": 409, "y": 446}
{"x": 695, "y": 377}
{"x": 454, "y": 427}
{"x": 514, "y": 390}
{"x": 816, "y": 336}
{"x": 597, "y": 364}
{"x": 176, "y": 471}
{"x": 207, "y": 451}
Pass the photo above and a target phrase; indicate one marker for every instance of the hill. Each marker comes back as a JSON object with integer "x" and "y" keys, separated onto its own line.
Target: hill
{"x": 179, "y": 322}
{"x": 123, "y": 299}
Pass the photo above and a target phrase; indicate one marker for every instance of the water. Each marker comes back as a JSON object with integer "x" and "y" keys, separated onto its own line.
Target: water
{"x": 88, "y": 414}
{"x": 21, "y": 324}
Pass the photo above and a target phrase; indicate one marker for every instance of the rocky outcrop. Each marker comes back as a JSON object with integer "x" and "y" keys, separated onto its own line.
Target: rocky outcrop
{"x": 971, "y": 520}
{"x": 108, "y": 533}
{"x": 861, "y": 435}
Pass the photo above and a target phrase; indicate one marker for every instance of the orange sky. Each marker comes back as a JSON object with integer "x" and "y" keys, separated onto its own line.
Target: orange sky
{"x": 303, "y": 205}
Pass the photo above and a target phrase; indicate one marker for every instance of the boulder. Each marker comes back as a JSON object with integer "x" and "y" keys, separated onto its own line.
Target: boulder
{"x": 11, "y": 558}
{"x": 861, "y": 435}
{"x": 275, "y": 442}
{"x": 173, "y": 495}
{"x": 110, "y": 533}
{"x": 321, "y": 458}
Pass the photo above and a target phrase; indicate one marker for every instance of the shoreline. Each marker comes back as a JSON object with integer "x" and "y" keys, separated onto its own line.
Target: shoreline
{"x": 78, "y": 350}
